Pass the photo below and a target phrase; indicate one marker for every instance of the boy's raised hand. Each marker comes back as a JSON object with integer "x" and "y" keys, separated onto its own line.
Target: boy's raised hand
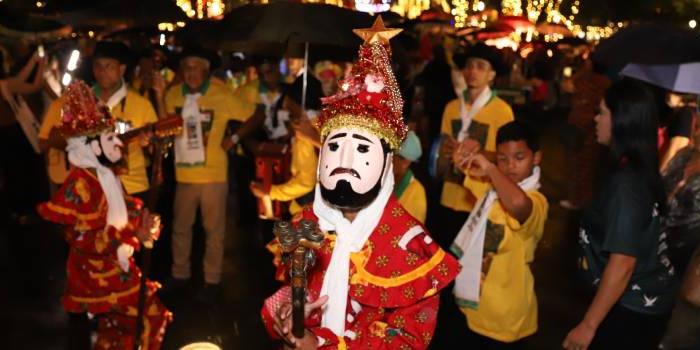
{"x": 478, "y": 165}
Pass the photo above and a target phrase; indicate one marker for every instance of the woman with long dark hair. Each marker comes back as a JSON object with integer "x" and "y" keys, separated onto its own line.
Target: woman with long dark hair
{"x": 623, "y": 248}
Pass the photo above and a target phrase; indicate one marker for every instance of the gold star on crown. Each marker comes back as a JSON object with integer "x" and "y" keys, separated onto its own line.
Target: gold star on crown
{"x": 377, "y": 33}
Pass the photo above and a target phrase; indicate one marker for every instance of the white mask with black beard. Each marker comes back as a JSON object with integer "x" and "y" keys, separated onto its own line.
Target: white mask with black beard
{"x": 352, "y": 163}
{"x": 107, "y": 148}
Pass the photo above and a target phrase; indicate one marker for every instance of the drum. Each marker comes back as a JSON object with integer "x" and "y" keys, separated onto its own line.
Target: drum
{"x": 272, "y": 167}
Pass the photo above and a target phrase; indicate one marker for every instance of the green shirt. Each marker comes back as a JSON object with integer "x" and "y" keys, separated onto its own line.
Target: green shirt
{"x": 624, "y": 219}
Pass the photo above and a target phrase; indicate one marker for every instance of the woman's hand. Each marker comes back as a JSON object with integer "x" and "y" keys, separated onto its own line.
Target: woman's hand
{"x": 580, "y": 337}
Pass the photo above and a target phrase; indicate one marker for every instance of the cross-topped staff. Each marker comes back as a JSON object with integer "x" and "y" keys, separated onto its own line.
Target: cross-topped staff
{"x": 299, "y": 244}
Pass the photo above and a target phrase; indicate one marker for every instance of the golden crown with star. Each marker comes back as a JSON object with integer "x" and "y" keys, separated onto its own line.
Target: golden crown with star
{"x": 369, "y": 97}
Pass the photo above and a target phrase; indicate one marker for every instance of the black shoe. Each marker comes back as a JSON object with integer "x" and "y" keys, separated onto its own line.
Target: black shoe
{"x": 208, "y": 294}
{"x": 172, "y": 285}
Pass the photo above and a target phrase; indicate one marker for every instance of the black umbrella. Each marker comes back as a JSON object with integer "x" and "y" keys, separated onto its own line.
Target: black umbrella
{"x": 286, "y": 27}
{"x": 27, "y": 23}
{"x": 648, "y": 44}
{"x": 130, "y": 12}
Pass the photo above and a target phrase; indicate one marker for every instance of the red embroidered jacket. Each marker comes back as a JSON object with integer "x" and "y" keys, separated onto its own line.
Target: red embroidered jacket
{"x": 96, "y": 283}
{"x": 394, "y": 284}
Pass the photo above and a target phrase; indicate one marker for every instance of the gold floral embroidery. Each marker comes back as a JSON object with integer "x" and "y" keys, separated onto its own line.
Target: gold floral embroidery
{"x": 421, "y": 317}
{"x": 409, "y": 292}
{"x": 395, "y": 273}
{"x": 443, "y": 269}
{"x": 359, "y": 290}
{"x": 395, "y": 241}
{"x": 397, "y": 211}
{"x": 399, "y": 321}
{"x": 384, "y": 228}
{"x": 382, "y": 261}
{"x": 411, "y": 259}
{"x": 383, "y": 296}
{"x": 427, "y": 337}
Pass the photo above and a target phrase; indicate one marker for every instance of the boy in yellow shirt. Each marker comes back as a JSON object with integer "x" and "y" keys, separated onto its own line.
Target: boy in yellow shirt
{"x": 408, "y": 190}
{"x": 495, "y": 288}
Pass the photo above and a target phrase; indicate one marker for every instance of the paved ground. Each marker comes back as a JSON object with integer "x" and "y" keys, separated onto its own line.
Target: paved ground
{"x": 32, "y": 259}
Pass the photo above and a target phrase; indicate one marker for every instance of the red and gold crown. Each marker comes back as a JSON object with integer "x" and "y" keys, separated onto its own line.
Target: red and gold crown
{"x": 369, "y": 97}
{"x": 82, "y": 114}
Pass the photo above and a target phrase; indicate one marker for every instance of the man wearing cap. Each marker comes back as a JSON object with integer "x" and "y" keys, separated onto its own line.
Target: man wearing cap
{"x": 201, "y": 164}
{"x": 409, "y": 190}
{"x": 103, "y": 228}
{"x": 378, "y": 273}
{"x": 472, "y": 119}
{"x": 129, "y": 109}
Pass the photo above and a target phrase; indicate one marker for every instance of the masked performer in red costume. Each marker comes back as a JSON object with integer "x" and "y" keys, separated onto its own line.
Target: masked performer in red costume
{"x": 103, "y": 227}
{"x": 378, "y": 273}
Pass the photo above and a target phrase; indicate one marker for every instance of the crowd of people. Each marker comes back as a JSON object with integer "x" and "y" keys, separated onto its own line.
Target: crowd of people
{"x": 330, "y": 143}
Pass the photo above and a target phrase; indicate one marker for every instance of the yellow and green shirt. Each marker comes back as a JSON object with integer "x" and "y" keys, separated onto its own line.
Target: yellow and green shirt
{"x": 221, "y": 105}
{"x": 134, "y": 110}
{"x": 411, "y": 195}
{"x": 483, "y": 129}
{"x": 507, "y": 309}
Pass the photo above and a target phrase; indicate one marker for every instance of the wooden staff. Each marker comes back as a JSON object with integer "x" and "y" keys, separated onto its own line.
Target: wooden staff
{"x": 299, "y": 245}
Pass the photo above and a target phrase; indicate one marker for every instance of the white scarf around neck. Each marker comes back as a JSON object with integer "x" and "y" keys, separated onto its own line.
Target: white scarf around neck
{"x": 469, "y": 244}
{"x": 81, "y": 155}
{"x": 117, "y": 96}
{"x": 468, "y": 114}
{"x": 350, "y": 238}
{"x": 189, "y": 146}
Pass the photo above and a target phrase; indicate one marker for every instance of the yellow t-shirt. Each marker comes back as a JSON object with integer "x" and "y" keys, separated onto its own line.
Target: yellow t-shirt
{"x": 251, "y": 92}
{"x": 220, "y": 105}
{"x": 414, "y": 201}
{"x": 507, "y": 309}
{"x": 135, "y": 111}
{"x": 303, "y": 180}
{"x": 483, "y": 128}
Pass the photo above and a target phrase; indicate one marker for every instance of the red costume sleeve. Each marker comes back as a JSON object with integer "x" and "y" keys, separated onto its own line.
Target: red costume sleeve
{"x": 409, "y": 327}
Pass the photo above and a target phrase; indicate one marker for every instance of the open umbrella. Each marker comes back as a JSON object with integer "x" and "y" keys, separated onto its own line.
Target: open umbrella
{"x": 648, "y": 44}
{"x": 547, "y": 28}
{"x": 521, "y": 23}
{"x": 118, "y": 12}
{"x": 684, "y": 78}
{"x": 20, "y": 24}
{"x": 284, "y": 28}
{"x": 494, "y": 31}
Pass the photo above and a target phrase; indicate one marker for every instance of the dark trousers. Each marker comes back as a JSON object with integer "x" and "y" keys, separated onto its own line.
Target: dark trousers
{"x": 452, "y": 329}
{"x": 626, "y": 329}
{"x": 474, "y": 340}
{"x": 23, "y": 180}
{"x": 448, "y": 225}
{"x": 78, "y": 332}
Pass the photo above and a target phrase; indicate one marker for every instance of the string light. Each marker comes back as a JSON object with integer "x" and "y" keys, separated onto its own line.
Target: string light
{"x": 512, "y": 7}
{"x": 410, "y": 8}
{"x": 202, "y": 8}
{"x": 460, "y": 10}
